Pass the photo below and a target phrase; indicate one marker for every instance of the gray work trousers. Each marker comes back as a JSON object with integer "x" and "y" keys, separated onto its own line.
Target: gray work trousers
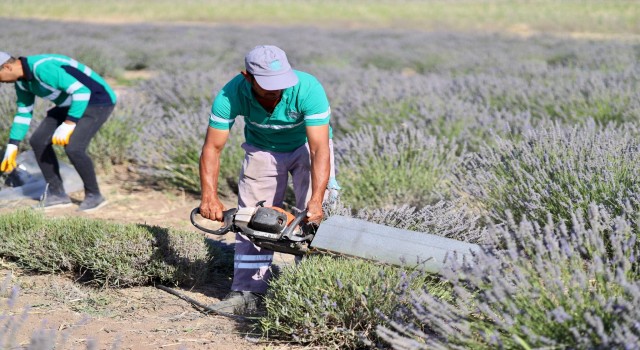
{"x": 264, "y": 177}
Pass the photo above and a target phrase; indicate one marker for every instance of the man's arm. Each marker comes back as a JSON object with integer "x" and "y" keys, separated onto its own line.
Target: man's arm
{"x": 24, "y": 113}
{"x": 19, "y": 128}
{"x": 318, "y": 138}
{"x": 210, "y": 205}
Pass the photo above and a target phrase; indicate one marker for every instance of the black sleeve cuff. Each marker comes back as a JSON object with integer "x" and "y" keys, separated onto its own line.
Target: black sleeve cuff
{"x": 14, "y": 142}
{"x": 72, "y": 119}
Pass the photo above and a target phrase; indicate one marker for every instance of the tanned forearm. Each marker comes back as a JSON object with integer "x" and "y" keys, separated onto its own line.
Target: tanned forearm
{"x": 318, "y": 138}
{"x": 210, "y": 206}
{"x": 209, "y": 171}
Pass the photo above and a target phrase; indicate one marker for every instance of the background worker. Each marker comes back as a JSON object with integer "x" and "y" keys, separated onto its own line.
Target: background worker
{"x": 83, "y": 102}
{"x": 287, "y": 131}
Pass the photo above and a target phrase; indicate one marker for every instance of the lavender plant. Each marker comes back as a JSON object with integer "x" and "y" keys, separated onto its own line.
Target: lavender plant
{"x": 402, "y": 166}
{"x": 7, "y": 110}
{"x": 331, "y": 301}
{"x": 107, "y": 254}
{"x": 409, "y": 110}
{"x": 349, "y": 307}
{"x": 459, "y": 88}
{"x": 184, "y": 92}
{"x": 99, "y": 58}
{"x": 115, "y": 142}
{"x": 555, "y": 169}
{"x": 567, "y": 94}
{"x": 10, "y": 321}
{"x": 173, "y": 143}
{"x": 537, "y": 292}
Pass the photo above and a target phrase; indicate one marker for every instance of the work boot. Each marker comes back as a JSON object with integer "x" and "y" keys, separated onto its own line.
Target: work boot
{"x": 92, "y": 202}
{"x": 51, "y": 200}
{"x": 238, "y": 303}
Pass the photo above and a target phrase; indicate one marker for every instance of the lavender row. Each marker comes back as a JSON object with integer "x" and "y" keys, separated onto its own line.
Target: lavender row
{"x": 536, "y": 286}
{"x": 553, "y": 170}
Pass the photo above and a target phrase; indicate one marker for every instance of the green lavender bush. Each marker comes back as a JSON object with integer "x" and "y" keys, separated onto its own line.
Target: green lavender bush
{"x": 337, "y": 302}
{"x": 108, "y": 254}
{"x": 379, "y": 168}
{"x": 332, "y": 301}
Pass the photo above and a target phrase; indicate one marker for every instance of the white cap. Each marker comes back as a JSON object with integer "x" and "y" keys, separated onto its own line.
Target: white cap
{"x": 4, "y": 57}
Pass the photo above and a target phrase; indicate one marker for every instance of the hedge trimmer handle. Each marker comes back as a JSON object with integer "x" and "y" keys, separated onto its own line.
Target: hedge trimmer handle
{"x": 227, "y": 216}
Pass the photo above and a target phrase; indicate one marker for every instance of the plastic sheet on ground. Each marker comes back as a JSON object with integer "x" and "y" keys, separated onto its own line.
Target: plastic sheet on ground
{"x": 34, "y": 183}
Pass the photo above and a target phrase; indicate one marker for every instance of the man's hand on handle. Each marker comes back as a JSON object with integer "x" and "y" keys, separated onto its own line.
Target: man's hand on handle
{"x": 314, "y": 212}
{"x": 9, "y": 160}
{"x": 212, "y": 209}
{"x": 63, "y": 133}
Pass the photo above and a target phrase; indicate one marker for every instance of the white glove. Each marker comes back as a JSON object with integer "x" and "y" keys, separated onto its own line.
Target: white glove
{"x": 62, "y": 134}
{"x": 9, "y": 160}
{"x": 334, "y": 190}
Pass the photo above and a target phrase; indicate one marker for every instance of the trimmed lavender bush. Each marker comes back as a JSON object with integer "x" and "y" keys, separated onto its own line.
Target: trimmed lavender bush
{"x": 333, "y": 303}
{"x": 538, "y": 292}
{"x": 107, "y": 254}
{"x": 554, "y": 169}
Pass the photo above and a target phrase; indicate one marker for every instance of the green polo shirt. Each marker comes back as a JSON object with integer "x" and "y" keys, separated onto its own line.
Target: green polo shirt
{"x": 284, "y": 130}
{"x": 61, "y": 80}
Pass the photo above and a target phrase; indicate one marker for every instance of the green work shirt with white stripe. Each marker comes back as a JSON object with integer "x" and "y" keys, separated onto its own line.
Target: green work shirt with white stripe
{"x": 284, "y": 130}
{"x": 62, "y": 80}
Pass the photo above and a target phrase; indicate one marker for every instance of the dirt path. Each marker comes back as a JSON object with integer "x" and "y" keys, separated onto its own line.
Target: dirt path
{"x": 133, "y": 318}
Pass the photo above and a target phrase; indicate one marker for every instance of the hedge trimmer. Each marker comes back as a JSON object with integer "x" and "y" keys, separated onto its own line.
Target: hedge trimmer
{"x": 275, "y": 229}
{"x": 267, "y": 227}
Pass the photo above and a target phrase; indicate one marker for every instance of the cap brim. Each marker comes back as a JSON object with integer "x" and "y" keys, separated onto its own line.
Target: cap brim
{"x": 277, "y": 82}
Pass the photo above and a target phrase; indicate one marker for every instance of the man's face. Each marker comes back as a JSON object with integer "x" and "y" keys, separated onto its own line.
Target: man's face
{"x": 272, "y": 95}
{"x": 8, "y": 73}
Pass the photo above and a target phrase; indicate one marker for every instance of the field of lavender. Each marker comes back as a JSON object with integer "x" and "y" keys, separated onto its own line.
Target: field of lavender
{"x": 527, "y": 145}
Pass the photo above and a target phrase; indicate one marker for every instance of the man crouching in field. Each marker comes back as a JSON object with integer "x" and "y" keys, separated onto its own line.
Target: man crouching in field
{"x": 286, "y": 115}
{"x": 83, "y": 102}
